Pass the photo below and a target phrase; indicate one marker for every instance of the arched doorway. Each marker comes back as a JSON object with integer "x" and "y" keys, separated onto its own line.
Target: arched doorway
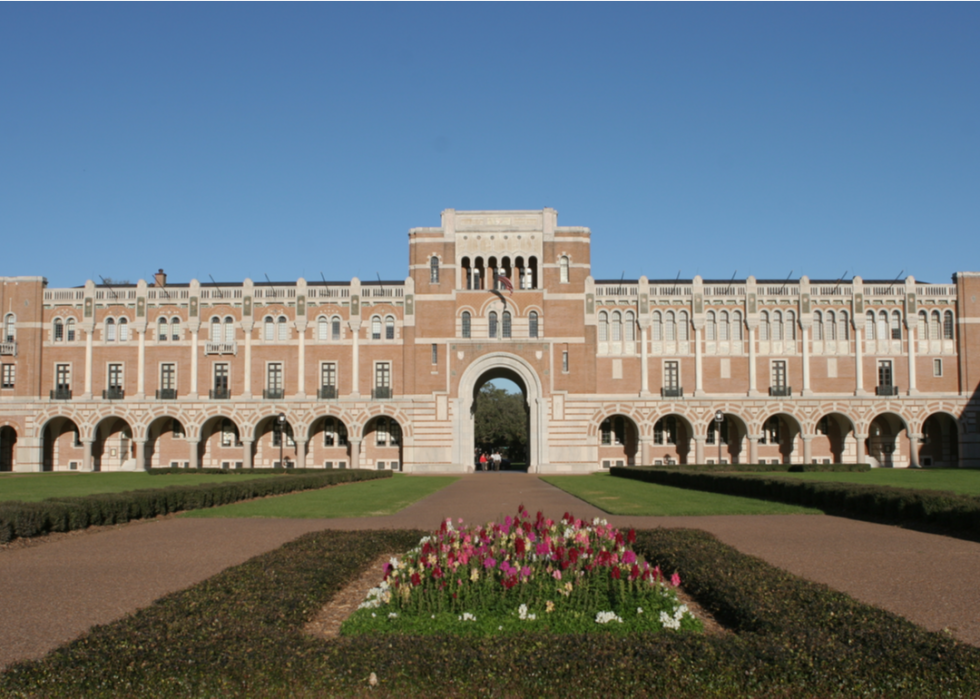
{"x": 166, "y": 443}
{"x": 778, "y": 441}
{"x": 619, "y": 440}
{"x": 500, "y": 365}
{"x": 884, "y": 445}
{"x": 940, "y": 445}
{"x": 62, "y": 448}
{"x": 382, "y": 444}
{"x": 834, "y": 442}
{"x": 329, "y": 444}
{"x": 730, "y": 437}
{"x": 274, "y": 446}
{"x": 220, "y": 445}
{"x": 8, "y": 440}
{"x": 113, "y": 448}
{"x": 672, "y": 435}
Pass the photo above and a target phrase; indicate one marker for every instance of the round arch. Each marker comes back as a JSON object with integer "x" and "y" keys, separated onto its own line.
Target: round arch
{"x": 671, "y": 439}
{"x": 8, "y": 442}
{"x": 735, "y": 431}
{"x": 61, "y": 444}
{"x": 166, "y": 443}
{"x": 884, "y": 445}
{"x": 939, "y": 443}
{"x": 780, "y": 436}
{"x": 834, "y": 438}
{"x": 509, "y": 366}
{"x": 619, "y": 438}
{"x": 113, "y": 448}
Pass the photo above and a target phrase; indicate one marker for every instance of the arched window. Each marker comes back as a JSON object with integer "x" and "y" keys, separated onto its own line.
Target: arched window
{"x": 777, "y": 325}
{"x": 923, "y": 325}
{"x": 665, "y": 431}
{"x": 764, "y": 325}
{"x": 817, "y": 326}
{"x": 334, "y": 433}
{"x": 670, "y": 327}
{"x": 934, "y": 326}
{"x": 283, "y": 330}
{"x": 629, "y": 327}
{"x": 710, "y": 327}
{"x": 175, "y": 328}
{"x": 390, "y": 328}
{"x": 376, "y": 328}
{"x": 215, "y": 329}
{"x": 683, "y": 326}
{"x": 335, "y": 328}
{"x": 70, "y": 329}
{"x": 58, "y": 330}
{"x": 896, "y": 325}
{"x": 162, "y": 329}
{"x": 563, "y": 267}
{"x": 532, "y": 324}
{"x": 110, "y": 329}
{"x": 948, "y": 325}
{"x": 882, "y": 329}
{"x": 229, "y": 328}
{"x": 269, "y": 329}
{"x": 492, "y": 329}
{"x": 830, "y": 326}
{"x": 434, "y": 270}
{"x": 790, "y": 333}
{"x": 658, "y": 327}
{"x": 532, "y": 273}
{"x": 723, "y": 326}
{"x": 843, "y": 327}
{"x": 603, "y": 326}
{"x": 10, "y": 328}
{"x": 506, "y": 323}
{"x": 869, "y": 325}
{"x": 466, "y": 323}
{"x": 322, "y": 329}
{"x": 467, "y": 273}
{"x": 737, "y": 326}
{"x": 617, "y": 326}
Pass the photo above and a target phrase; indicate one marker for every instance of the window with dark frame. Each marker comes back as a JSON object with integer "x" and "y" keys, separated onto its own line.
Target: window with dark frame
{"x": 274, "y": 376}
{"x": 328, "y": 375}
{"x": 62, "y": 374}
{"x": 435, "y": 354}
{"x": 532, "y": 324}
{"x": 115, "y": 377}
{"x": 168, "y": 376}
{"x": 9, "y": 374}
{"x": 672, "y": 375}
{"x": 885, "y": 373}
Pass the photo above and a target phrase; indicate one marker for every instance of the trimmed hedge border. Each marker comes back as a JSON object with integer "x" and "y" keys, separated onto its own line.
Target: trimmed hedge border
{"x": 955, "y": 514}
{"x": 234, "y": 471}
{"x": 240, "y": 634}
{"x": 756, "y": 468}
{"x": 27, "y": 519}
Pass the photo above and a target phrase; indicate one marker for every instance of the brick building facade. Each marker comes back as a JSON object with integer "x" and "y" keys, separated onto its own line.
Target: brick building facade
{"x": 384, "y": 374}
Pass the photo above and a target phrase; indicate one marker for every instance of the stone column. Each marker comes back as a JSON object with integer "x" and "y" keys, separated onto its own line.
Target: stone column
{"x": 859, "y": 455}
{"x": 246, "y": 453}
{"x": 140, "y": 445}
{"x": 300, "y": 452}
{"x": 914, "y": 440}
{"x": 141, "y": 369}
{"x": 355, "y": 361}
{"x": 858, "y": 361}
{"x": 88, "y": 362}
{"x": 247, "y": 367}
{"x": 301, "y": 376}
{"x": 87, "y": 464}
{"x": 751, "y": 338}
{"x": 699, "y": 449}
{"x": 698, "y": 374}
{"x": 807, "y": 447}
{"x": 194, "y": 352}
{"x": 644, "y": 369}
{"x": 645, "y": 459}
{"x": 806, "y": 360}
{"x": 355, "y": 453}
{"x": 192, "y": 446}
{"x": 753, "y": 448}
{"x": 912, "y": 335}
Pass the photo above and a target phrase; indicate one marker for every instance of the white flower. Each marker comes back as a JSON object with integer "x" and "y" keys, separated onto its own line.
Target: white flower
{"x": 606, "y": 617}
{"x": 639, "y": 610}
{"x": 467, "y": 617}
{"x": 373, "y": 615}
{"x": 524, "y": 616}
{"x": 673, "y": 621}
{"x": 392, "y": 615}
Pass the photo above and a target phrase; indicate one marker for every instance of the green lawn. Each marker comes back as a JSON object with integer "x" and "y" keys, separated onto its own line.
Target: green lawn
{"x": 31, "y": 487}
{"x": 366, "y": 499}
{"x": 962, "y": 481}
{"x": 624, "y": 496}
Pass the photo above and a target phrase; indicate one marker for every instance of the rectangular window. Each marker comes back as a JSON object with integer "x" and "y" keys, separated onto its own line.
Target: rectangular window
{"x": 435, "y": 354}
{"x": 328, "y": 375}
{"x": 168, "y": 377}
{"x": 59, "y": 332}
{"x": 564, "y": 361}
{"x": 382, "y": 375}
{"x": 937, "y": 367}
{"x": 335, "y": 329}
{"x": 221, "y": 378}
{"x": 9, "y": 371}
{"x": 62, "y": 374}
{"x": 672, "y": 375}
{"x": 71, "y": 330}
{"x": 115, "y": 377}
{"x": 885, "y": 373}
{"x": 779, "y": 374}
{"x": 274, "y": 376}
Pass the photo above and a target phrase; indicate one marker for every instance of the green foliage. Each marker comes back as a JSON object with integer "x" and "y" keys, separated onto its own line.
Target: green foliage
{"x": 965, "y": 481}
{"x": 501, "y": 421}
{"x": 751, "y": 468}
{"x": 619, "y": 496}
{"x": 20, "y": 519}
{"x": 238, "y": 634}
{"x": 956, "y": 515}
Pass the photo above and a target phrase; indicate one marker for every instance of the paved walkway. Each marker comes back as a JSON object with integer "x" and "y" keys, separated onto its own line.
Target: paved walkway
{"x": 54, "y": 592}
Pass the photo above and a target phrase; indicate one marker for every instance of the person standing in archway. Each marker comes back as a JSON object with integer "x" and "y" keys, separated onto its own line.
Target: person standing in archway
{"x": 496, "y": 460}
{"x": 483, "y": 461}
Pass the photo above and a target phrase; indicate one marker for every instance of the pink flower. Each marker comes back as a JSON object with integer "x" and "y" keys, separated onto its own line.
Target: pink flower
{"x": 526, "y": 572}
{"x": 675, "y": 580}
{"x": 629, "y": 557}
{"x": 556, "y": 575}
{"x": 489, "y": 563}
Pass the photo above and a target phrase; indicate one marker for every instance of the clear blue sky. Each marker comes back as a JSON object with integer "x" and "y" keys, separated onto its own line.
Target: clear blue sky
{"x": 300, "y": 139}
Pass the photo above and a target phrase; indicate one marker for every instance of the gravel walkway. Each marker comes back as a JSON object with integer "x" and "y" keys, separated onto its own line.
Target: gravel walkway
{"x": 54, "y": 592}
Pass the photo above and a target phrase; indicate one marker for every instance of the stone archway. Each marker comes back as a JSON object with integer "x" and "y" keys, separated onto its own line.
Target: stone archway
{"x": 501, "y": 365}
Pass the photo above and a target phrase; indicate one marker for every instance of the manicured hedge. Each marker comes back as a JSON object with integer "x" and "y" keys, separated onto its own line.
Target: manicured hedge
{"x": 239, "y": 634}
{"x": 957, "y": 515}
{"x": 229, "y": 471}
{"x": 26, "y": 519}
{"x": 755, "y": 468}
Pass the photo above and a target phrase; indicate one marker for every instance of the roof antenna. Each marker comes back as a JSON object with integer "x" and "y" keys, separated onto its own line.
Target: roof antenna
{"x": 892, "y": 286}
{"x": 783, "y": 290}
{"x": 323, "y": 278}
{"x": 839, "y": 280}
{"x": 677, "y": 279}
{"x": 380, "y": 283}
{"x": 274, "y": 294}
{"x": 114, "y": 294}
{"x": 220, "y": 295}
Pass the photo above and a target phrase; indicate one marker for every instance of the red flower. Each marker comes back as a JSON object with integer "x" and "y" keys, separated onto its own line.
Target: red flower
{"x": 634, "y": 572}
{"x": 416, "y": 580}
{"x": 631, "y": 536}
{"x": 614, "y": 572}
{"x": 519, "y": 546}
{"x": 437, "y": 572}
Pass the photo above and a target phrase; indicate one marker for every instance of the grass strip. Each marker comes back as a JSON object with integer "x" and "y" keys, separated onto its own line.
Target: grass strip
{"x": 960, "y": 480}
{"x": 26, "y": 519}
{"x": 239, "y": 634}
{"x": 367, "y": 499}
{"x": 619, "y": 496}
{"x": 951, "y": 513}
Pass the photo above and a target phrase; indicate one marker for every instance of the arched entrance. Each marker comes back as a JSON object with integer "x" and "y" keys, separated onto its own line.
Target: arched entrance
{"x": 8, "y": 440}
{"x": 778, "y": 443}
{"x": 61, "y": 448}
{"x": 166, "y": 443}
{"x": 500, "y": 365}
{"x": 730, "y": 437}
{"x": 884, "y": 445}
{"x": 940, "y": 442}
{"x": 113, "y": 448}
{"x": 672, "y": 435}
{"x": 619, "y": 440}
{"x": 220, "y": 444}
{"x": 382, "y": 444}
{"x": 834, "y": 442}
{"x": 329, "y": 444}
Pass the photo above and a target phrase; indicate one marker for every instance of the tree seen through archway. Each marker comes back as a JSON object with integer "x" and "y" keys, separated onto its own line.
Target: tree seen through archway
{"x": 501, "y": 422}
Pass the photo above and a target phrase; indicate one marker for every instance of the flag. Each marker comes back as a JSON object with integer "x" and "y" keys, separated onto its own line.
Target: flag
{"x": 504, "y": 282}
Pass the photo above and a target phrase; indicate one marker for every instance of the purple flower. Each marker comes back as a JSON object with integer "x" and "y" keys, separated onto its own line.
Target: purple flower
{"x": 489, "y": 563}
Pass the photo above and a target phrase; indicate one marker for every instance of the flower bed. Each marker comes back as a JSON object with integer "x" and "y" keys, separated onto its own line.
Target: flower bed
{"x": 559, "y": 577}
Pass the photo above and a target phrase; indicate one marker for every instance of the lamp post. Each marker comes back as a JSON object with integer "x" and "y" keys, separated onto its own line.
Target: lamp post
{"x": 281, "y": 421}
{"x": 719, "y": 418}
